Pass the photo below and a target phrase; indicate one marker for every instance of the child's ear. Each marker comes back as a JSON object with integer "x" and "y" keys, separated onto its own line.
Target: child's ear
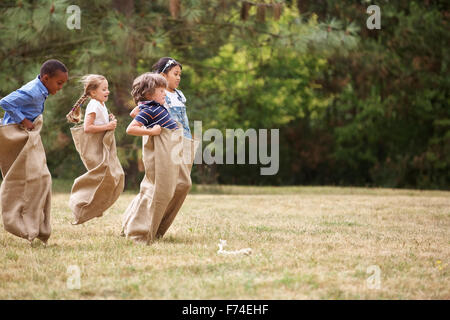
{"x": 45, "y": 77}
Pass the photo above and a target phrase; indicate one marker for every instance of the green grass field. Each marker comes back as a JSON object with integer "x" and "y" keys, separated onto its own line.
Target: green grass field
{"x": 307, "y": 242}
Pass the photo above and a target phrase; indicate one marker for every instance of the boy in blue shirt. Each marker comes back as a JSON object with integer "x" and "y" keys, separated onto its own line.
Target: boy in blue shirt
{"x": 25, "y": 104}
{"x": 25, "y": 192}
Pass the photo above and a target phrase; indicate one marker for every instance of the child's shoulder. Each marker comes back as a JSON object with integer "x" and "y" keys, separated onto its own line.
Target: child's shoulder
{"x": 94, "y": 105}
{"x": 149, "y": 107}
{"x": 174, "y": 98}
{"x": 149, "y": 104}
{"x": 181, "y": 94}
{"x": 31, "y": 87}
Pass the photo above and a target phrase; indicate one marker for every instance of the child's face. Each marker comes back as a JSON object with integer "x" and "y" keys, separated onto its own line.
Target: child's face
{"x": 173, "y": 78}
{"x": 159, "y": 95}
{"x": 101, "y": 93}
{"x": 55, "y": 83}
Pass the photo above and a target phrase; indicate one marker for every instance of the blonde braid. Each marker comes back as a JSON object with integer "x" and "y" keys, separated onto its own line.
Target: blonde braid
{"x": 74, "y": 116}
{"x": 90, "y": 82}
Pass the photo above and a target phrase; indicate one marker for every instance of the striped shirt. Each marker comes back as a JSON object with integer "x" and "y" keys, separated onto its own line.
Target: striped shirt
{"x": 152, "y": 113}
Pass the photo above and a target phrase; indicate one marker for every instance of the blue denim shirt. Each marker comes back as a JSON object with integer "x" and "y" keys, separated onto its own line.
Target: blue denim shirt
{"x": 177, "y": 110}
{"x": 26, "y": 102}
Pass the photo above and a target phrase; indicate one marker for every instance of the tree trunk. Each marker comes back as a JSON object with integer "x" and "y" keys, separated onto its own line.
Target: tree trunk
{"x": 123, "y": 87}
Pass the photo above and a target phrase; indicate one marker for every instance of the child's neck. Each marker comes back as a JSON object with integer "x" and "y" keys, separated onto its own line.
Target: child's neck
{"x": 171, "y": 90}
{"x": 45, "y": 85}
{"x": 102, "y": 103}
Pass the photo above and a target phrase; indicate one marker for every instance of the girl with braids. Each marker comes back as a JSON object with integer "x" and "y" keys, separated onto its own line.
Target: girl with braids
{"x": 96, "y": 116}
{"x": 96, "y": 190}
{"x": 175, "y": 101}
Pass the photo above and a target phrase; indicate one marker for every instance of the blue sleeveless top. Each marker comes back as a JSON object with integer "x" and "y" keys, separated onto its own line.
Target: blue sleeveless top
{"x": 175, "y": 104}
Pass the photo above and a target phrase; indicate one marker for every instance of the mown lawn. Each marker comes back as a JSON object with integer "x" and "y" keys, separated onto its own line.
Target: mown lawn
{"x": 307, "y": 242}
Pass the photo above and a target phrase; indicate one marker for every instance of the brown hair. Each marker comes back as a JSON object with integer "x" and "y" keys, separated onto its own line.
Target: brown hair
{"x": 90, "y": 83}
{"x": 146, "y": 84}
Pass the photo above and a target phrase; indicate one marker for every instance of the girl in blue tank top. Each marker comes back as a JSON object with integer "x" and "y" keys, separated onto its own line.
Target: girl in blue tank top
{"x": 175, "y": 99}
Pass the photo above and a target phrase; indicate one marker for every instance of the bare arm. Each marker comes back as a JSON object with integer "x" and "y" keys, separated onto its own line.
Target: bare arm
{"x": 134, "y": 112}
{"x": 90, "y": 127}
{"x": 135, "y": 128}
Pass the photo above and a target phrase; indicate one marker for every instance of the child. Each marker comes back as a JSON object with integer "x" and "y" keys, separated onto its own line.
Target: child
{"x": 167, "y": 180}
{"x": 96, "y": 116}
{"x": 96, "y": 190}
{"x": 25, "y": 192}
{"x": 149, "y": 91}
{"x": 25, "y": 104}
{"x": 175, "y": 100}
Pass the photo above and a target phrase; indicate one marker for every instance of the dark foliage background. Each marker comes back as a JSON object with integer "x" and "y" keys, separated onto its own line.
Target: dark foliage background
{"x": 354, "y": 106}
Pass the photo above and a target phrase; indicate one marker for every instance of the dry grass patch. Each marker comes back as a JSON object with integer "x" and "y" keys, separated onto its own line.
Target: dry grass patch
{"x": 308, "y": 243}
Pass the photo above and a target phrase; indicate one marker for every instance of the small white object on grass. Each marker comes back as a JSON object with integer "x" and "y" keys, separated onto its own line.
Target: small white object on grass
{"x": 223, "y": 243}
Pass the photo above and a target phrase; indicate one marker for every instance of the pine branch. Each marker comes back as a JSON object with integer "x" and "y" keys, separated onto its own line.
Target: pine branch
{"x": 49, "y": 45}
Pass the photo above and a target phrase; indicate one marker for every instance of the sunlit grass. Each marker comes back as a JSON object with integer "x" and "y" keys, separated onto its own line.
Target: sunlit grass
{"x": 307, "y": 242}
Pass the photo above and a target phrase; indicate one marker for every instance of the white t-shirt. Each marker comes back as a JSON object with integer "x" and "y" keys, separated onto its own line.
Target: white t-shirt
{"x": 101, "y": 113}
{"x": 174, "y": 99}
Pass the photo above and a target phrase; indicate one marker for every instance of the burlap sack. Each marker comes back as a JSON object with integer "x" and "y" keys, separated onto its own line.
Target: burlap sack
{"x": 168, "y": 160}
{"x": 96, "y": 190}
{"x": 25, "y": 193}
